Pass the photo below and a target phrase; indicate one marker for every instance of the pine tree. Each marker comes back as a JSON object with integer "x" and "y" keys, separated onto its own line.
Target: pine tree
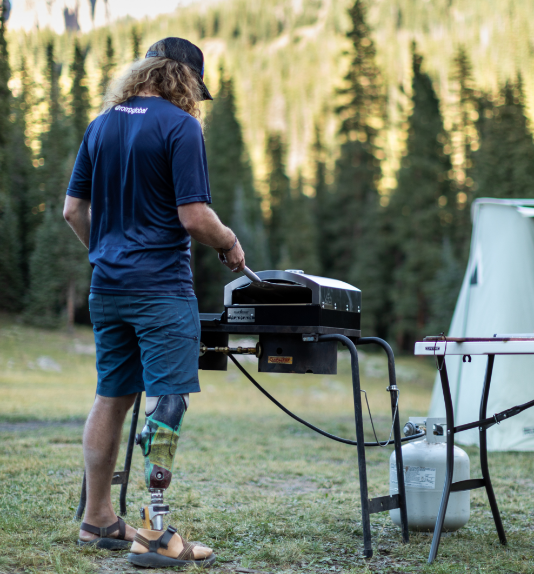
{"x": 372, "y": 269}
{"x": 279, "y": 193}
{"x": 11, "y": 283}
{"x": 107, "y": 65}
{"x": 22, "y": 173}
{"x": 56, "y": 146}
{"x": 11, "y": 287}
{"x": 299, "y": 250}
{"x": 320, "y": 203}
{"x": 79, "y": 94}
{"x": 421, "y": 205}
{"x": 5, "y": 106}
{"x": 59, "y": 270}
{"x": 444, "y": 289}
{"x": 136, "y": 42}
{"x": 353, "y": 242}
{"x": 234, "y": 198}
{"x": 77, "y": 279}
{"x": 56, "y": 268}
{"x": 504, "y": 163}
{"x": 463, "y": 140}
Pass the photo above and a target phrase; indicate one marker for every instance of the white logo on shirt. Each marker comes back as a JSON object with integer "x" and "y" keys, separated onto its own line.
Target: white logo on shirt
{"x": 131, "y": 110}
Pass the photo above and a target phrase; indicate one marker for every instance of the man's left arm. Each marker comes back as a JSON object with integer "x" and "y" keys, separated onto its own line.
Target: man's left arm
{"x": 77, "y": 213}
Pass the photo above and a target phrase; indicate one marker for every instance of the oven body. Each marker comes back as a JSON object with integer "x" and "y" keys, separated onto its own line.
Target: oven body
{"x": 288, "y": 310}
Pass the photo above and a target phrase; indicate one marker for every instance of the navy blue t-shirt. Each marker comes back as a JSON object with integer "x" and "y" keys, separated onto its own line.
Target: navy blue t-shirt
{"x": 136, "y": 164}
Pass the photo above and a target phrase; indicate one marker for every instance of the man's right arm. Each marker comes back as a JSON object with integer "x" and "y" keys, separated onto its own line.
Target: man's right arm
{"x": 203, "y": 224}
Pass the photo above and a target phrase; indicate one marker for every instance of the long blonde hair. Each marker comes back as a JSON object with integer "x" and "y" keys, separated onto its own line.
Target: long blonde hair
{"x": 171, "y": 80}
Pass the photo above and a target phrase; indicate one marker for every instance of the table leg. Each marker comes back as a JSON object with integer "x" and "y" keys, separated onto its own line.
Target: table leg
{"x": 449, "y": 413}
{"x": 484, "y": 452}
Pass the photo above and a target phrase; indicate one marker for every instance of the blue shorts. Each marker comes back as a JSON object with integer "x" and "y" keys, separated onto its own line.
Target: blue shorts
{"x": 145, "y": 343}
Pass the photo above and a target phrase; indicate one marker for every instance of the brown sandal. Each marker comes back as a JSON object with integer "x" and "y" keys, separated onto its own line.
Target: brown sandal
{"x": 103, "y": 541}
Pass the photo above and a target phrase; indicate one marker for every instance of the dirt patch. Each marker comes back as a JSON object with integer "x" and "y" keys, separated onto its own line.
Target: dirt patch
{"x": 121, "y": 564}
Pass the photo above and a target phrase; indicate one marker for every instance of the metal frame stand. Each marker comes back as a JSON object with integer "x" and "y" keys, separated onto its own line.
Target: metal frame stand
{"x": 471, "y": 484}
{"x": 369, "y": 506}
{"x": 398, "y": 500}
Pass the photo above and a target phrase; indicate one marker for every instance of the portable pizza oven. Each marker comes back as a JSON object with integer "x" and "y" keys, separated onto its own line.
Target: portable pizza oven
{"x": 288, "y": 310}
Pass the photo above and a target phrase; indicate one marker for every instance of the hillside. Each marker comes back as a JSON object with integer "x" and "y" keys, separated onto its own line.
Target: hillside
{"x": 287, "y": 59}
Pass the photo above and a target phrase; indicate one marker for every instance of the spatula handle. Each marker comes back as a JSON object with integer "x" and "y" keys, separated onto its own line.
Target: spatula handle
{"x": 251, "y": 275}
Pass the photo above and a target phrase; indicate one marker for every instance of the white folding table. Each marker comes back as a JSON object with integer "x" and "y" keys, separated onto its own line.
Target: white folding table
{"x": 439, "y": 347}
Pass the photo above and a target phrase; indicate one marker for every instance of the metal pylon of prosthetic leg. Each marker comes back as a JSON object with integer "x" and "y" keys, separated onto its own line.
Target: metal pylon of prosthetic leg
{"x": 152, "y": 515}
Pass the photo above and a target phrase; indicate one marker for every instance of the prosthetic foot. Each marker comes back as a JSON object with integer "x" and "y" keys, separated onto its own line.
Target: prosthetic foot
{"x": 159, "y": 439}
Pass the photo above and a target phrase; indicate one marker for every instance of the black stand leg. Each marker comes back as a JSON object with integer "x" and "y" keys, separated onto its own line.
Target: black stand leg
{"x": 362, "y": 468}
{"x": 129, "y": 452}
{"x": 396, "y": 430}
{"x": 484, "y": 452}
{"x": 368, "y": 551}
{"x": 449, "y": 413}
{"x": 83, "y": 500}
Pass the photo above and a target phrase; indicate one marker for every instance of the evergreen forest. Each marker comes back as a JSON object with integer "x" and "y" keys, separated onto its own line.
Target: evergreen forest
{"x": 347, "y": 139}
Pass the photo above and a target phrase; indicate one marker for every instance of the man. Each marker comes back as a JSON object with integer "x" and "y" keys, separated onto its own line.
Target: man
{"x": 138, "y": 192}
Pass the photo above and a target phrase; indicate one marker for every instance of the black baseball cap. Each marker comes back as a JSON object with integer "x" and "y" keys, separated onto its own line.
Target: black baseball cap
{"x": 182, "y": 51}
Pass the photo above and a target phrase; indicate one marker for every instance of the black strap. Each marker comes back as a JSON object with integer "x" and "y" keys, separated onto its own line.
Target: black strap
{"x": 122, "y": 528}
{"x": 162, "y": 541}
{"x": 166, "y": 537}
{"x": 103, "y": 532}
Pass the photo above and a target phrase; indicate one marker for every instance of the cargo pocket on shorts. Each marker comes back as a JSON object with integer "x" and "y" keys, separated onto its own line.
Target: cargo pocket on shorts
{"x": 195, "y": 317}
{"x": 182, "y": 351}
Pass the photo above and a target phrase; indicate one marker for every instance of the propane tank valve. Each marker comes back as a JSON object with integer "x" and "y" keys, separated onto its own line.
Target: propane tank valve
{"x": 411, "y": 429}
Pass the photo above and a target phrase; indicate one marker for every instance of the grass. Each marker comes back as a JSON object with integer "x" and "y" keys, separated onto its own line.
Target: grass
{"x": 267, "y": 494}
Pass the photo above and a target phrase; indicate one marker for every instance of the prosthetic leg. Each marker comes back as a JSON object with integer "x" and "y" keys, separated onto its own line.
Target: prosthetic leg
{"x": 158, "y": 440}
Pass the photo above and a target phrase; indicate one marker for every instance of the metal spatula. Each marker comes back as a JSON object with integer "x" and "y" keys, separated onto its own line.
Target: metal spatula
{"x": 268, "y": 292}
{"x": 251, "y": 275}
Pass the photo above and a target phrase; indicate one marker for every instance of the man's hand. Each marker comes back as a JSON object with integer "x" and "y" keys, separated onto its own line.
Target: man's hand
{"x": 202, "y": 224}
{"x": 233, "y": 259}
{"x": 77, "y": 213}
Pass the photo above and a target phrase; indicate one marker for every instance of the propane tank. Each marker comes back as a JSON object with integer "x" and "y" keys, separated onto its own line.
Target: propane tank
{"x": 425, "y": 461}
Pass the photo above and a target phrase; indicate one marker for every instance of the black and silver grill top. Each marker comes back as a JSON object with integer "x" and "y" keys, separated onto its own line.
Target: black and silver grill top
{"x": 294, "y": 288}
{"x": 288, "y": 302}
